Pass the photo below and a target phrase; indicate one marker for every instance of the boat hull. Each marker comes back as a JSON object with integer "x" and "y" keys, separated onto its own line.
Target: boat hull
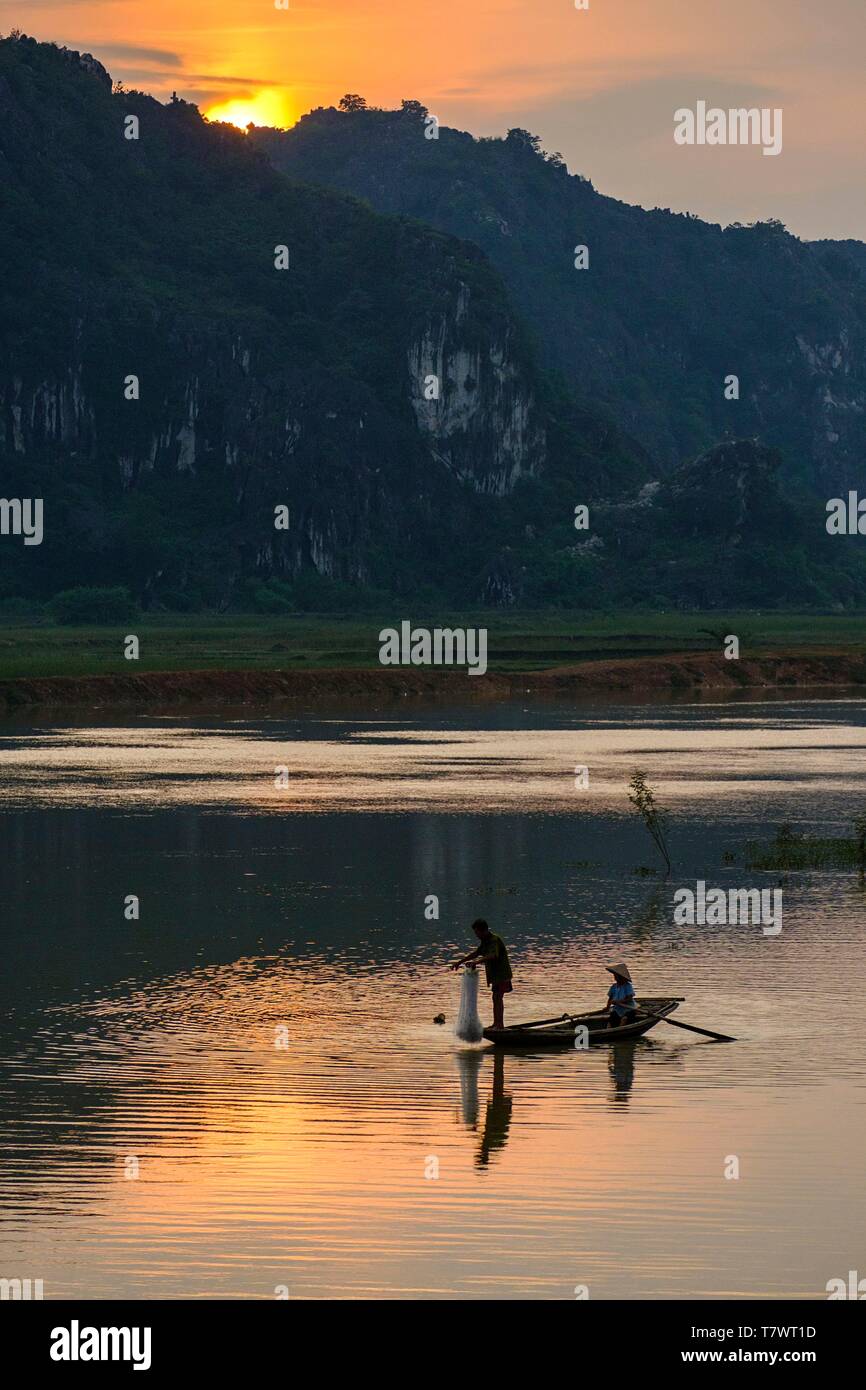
{"x": 563, "y": 1034}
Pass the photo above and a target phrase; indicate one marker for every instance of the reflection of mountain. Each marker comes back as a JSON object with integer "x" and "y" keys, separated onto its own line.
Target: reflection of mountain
{"x": 217, "y": 886}
{"x": 652, "y": 914}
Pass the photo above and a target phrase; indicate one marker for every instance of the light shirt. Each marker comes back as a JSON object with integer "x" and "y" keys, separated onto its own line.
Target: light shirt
{"x": 621, "y": 998}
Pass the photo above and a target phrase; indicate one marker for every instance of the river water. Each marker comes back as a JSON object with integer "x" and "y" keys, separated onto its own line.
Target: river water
{"x": 241, "y": 1091}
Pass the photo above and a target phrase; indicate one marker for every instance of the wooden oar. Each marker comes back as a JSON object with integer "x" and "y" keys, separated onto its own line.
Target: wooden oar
{"x": 690, "y": 1027}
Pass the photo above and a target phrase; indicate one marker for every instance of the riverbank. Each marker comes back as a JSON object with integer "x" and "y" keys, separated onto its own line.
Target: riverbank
{"x": 516, "y": 641}
{"x": 677, "y": 673}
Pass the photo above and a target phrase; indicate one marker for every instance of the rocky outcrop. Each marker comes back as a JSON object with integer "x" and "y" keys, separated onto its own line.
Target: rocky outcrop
{"x": 88, "y": 64}
{"x": 209, "y": 429}
{"x": 668, "y": 308}
{"x": 170, "y": 391}
{"x": 474, "y": 403}
{"x": 732, "y": 483}
{"x": 838, "y": 392}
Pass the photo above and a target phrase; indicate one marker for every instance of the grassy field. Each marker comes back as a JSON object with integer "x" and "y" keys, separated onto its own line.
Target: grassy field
{"x": 516, "y": 641}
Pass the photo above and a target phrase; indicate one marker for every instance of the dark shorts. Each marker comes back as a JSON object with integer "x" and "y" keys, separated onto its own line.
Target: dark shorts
{"x": 501, "y": 987}
{"x": 617, "y": 1020}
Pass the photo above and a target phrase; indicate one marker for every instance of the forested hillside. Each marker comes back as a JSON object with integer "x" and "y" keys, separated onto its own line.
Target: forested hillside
{"x": 668, "y": 307}
{"x": 231, "y": 389}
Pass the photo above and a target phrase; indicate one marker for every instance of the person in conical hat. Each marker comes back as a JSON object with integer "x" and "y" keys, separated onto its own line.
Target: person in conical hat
{"x": 620, "y": 997}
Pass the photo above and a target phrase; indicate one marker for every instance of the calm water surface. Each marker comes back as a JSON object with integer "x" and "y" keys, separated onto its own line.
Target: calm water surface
{"x": 295, "y": 914}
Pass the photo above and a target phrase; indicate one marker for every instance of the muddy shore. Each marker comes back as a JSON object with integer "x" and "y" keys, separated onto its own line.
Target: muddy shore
{"x": 677, "y": 673}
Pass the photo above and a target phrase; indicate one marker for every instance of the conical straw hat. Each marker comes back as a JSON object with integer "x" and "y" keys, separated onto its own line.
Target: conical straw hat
{"x": 621, "y": 969}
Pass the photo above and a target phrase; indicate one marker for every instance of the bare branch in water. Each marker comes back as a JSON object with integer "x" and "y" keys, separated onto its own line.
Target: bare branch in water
{"x": 654, "y": 818}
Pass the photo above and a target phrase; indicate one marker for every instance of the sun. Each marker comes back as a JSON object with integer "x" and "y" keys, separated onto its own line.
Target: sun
{"x": 270, "y": 108}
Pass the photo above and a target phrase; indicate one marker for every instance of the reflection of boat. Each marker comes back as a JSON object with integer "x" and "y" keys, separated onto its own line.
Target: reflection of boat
{"x": 562, "y": 1032}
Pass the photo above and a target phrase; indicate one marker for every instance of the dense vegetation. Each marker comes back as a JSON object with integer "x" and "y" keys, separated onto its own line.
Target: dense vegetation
{"x": 669, "y": 306}
{"x": 155, "y": 257}
{"x": 32, "y": 646}
{"x": 792, "y": 851}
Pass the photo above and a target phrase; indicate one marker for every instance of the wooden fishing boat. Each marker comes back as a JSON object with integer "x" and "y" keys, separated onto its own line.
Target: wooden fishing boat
{"x": 560, "y": 1032}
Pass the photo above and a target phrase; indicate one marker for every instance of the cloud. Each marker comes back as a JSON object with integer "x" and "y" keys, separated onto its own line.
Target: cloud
{"x": 201, "y": 89}
{"x": 228, "y": 81}
{"x": 213, "y": 97}
{"x": 132, "y": 51}
{"x": 148, "y": 77}
{"x": 123, "y": 53}
{"x": 6, "y": 9}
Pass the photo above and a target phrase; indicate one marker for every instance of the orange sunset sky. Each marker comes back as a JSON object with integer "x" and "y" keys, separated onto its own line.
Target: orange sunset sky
{"x": 600, "y": 85}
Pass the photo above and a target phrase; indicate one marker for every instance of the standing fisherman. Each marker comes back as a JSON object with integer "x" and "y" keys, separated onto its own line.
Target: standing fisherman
{"x": 492, "y": 951}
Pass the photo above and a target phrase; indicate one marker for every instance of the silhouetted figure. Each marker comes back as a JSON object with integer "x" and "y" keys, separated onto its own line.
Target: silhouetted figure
{"x": 492, "y": 951}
